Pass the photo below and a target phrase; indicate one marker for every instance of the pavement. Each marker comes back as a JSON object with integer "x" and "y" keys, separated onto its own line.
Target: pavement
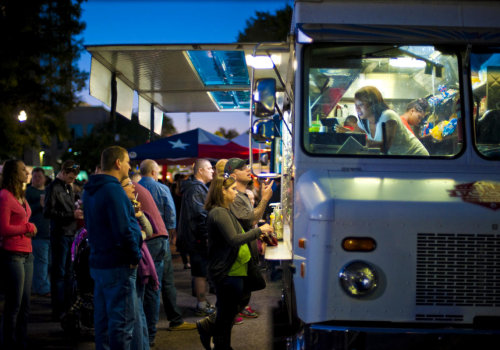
{"x": 256, "y": 333}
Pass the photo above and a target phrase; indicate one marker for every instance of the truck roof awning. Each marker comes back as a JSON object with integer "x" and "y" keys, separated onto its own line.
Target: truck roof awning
{"x": 181, "y": 78}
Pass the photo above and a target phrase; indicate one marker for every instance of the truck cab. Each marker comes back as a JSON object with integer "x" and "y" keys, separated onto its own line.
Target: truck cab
{"x": 387, "y": 239}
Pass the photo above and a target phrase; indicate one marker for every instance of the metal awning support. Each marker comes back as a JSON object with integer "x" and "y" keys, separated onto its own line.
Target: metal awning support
{"x": 112, "y": 112}
{"x": 152, "y": 116}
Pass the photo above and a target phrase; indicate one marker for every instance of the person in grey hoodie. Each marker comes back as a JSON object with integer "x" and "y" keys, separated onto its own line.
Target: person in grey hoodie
{"x": 115, "y": 250}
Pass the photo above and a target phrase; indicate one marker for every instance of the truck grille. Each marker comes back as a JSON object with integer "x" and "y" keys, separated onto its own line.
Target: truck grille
{"x": 458, "y": 269}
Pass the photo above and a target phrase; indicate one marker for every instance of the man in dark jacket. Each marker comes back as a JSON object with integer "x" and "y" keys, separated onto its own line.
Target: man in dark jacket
{"x": 59, "y": 206}
{"x": 192, "y": 230}
{"x": 115, "y": 240}
{"x": 41, "y": 242}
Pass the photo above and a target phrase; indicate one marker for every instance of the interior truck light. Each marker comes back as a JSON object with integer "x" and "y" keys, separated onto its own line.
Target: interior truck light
{"x": 259, "y": 62}
{"x": 406, "y": 62}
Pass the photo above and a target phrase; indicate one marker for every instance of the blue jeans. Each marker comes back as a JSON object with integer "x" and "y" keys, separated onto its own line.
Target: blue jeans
{"x": 60, "y": 273}
{"x": 140, "y": 339}
{"x": 159, "y": 248}
{"x": 18, "y": 270}
{"x": 41, "y": 252}
{"x": 115, "y": 307}
{"x": 168, "y": 291}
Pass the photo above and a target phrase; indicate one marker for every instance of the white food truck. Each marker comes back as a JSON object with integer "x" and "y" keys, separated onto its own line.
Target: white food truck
{"x": 382, "y": 247}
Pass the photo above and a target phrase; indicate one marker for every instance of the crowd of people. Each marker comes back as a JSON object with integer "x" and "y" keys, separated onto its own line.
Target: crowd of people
{"x": 129, "y": 220}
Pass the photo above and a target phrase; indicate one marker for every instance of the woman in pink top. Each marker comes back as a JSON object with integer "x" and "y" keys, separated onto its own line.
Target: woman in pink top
{"x": 17, "y": 260}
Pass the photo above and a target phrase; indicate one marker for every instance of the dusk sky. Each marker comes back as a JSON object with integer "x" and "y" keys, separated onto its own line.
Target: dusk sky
{"x": 168, "y": 22}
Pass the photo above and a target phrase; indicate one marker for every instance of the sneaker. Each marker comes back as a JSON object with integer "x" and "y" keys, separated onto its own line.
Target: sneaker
{"x": 238, "y": 320}
{"x": 184, "y": 326}
{"x": 205, "y": 311}
{"x": 248, "y": 312}
{"x": 204, "y": 335}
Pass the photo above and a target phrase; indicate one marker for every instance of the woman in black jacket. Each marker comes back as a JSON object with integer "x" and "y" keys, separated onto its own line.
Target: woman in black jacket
{"x": 229, "y": 256}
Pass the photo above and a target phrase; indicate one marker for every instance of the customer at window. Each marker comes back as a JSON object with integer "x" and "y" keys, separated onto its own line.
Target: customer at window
{"x": 228, "y": 259}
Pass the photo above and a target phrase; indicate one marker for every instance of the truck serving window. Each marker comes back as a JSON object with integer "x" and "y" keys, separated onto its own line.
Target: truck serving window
{"x": 485, "y": 79}
{"x": 381, "y": 101}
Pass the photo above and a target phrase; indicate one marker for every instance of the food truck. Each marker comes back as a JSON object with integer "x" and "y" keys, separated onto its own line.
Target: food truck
{"x": 381, "y": 247}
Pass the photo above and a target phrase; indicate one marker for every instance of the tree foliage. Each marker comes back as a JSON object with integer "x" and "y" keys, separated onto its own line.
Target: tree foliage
{"x": 168, "y": 127}
{"x": 227, "y": 134}
{"x": 267, "y": 27}
{"x": 38, "y": 70}
{"x": 86, "y": 150}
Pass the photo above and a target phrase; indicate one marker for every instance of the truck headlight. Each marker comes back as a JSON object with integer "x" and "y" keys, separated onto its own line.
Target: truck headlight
{"x": 358, "y": 279}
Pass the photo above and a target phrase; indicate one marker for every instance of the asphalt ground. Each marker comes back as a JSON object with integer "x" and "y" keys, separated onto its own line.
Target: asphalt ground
{"x": 252, "y": 334}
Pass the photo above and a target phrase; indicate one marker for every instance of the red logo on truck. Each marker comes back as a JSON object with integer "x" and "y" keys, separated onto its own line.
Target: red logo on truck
{"x": 485, "y": 193}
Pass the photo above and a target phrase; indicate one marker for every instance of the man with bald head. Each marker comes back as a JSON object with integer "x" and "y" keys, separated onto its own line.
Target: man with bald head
{"x": 159, "y": 247}
{"x": 161, "y": 193}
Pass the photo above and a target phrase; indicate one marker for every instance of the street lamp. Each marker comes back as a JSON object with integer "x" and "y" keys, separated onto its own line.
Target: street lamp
{"x": 41, "y": 154}
{"x": 22, "y": 116}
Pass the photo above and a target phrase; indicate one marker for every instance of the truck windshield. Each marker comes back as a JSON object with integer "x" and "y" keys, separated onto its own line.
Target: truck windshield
{"x": 382, "y": 100}
{"x": 485, "y": 79}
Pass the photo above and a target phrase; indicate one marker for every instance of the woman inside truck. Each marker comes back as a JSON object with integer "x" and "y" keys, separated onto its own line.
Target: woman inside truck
{"x": 383, "y": 126}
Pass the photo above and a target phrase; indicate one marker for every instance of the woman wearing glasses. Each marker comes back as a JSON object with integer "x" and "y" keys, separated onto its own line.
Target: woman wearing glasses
{"x": 146, "y": 272}
{"x": 17, "y": 258}
{"x": 229, "y": 256}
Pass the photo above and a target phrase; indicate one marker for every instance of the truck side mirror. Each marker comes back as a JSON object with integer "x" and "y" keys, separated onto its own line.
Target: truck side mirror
{"x": 264, "y": 97}
{"x": 263, "y": 130}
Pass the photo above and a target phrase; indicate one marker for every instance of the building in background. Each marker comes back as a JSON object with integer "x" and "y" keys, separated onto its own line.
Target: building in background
{"x": 80, "y": 122}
